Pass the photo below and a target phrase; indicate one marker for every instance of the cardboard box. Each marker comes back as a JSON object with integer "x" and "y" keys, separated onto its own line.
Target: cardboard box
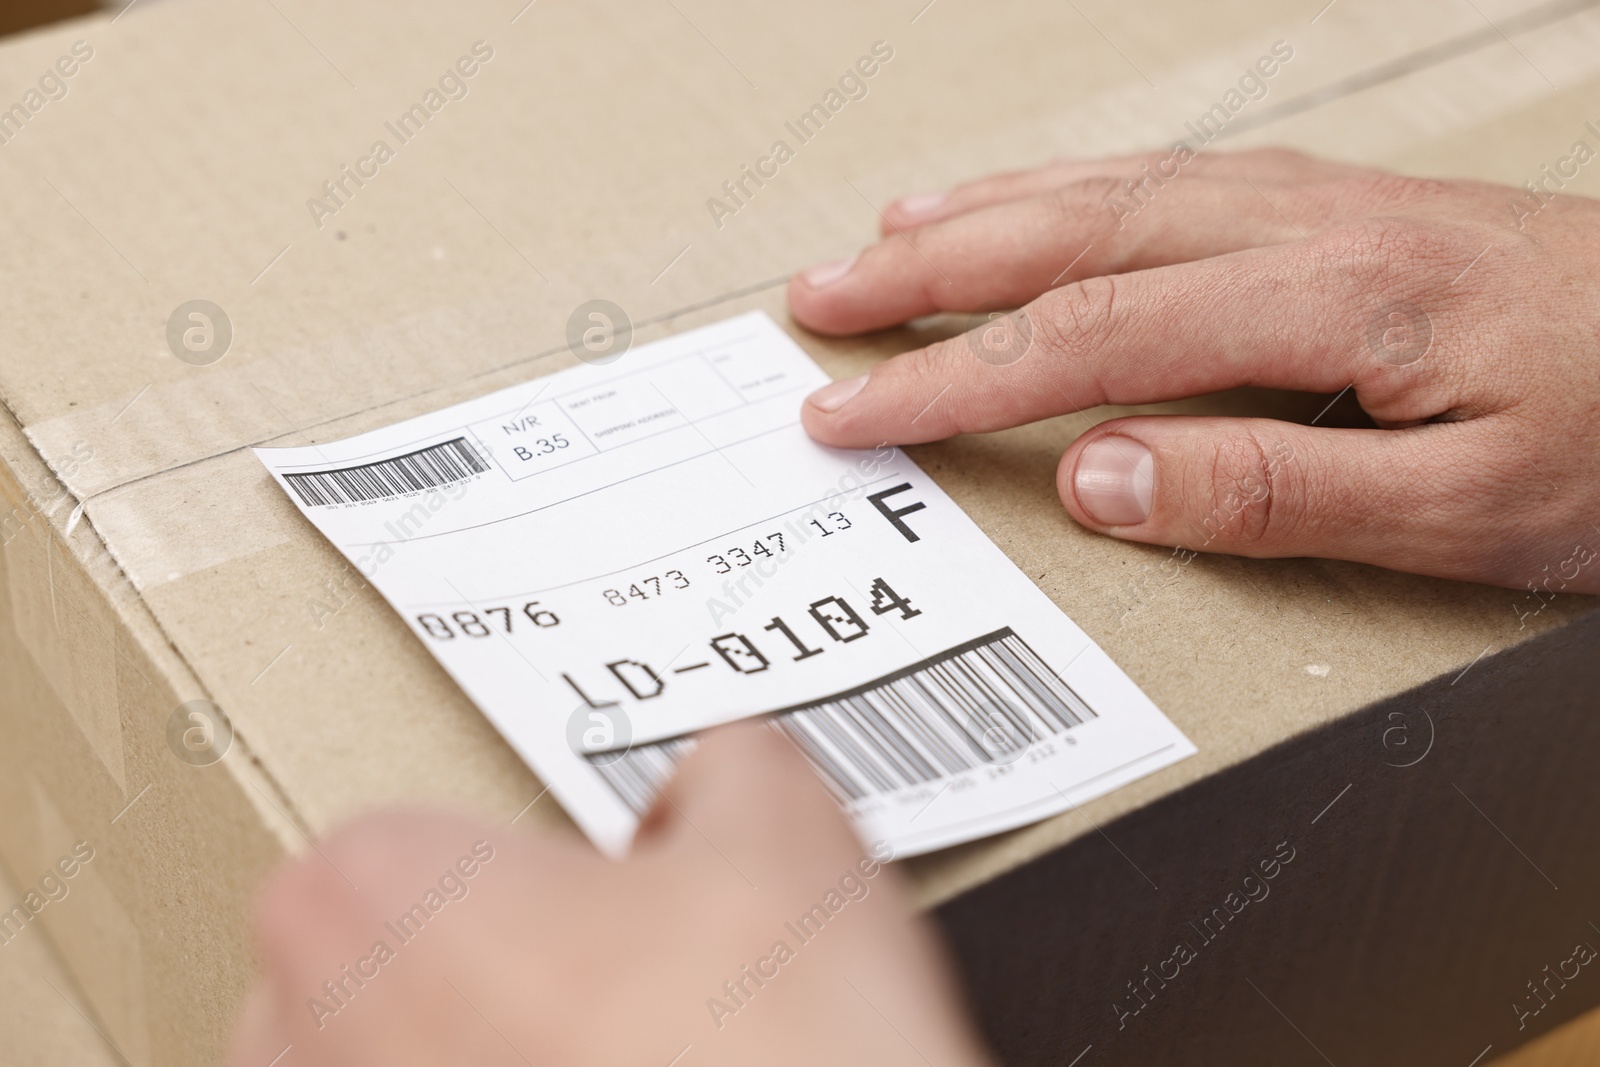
{"x": 1572, "y": 1045}
{"x": 206, "y": 152}
{"x": 44, "y": 1019}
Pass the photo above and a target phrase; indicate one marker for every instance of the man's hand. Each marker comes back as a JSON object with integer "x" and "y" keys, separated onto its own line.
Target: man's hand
{"x": 748, "y": 926}
{"x": 1465, "y": 317}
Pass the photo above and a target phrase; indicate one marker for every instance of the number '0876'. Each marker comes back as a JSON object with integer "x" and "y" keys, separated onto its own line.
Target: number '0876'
{"x": 490, "y": 621}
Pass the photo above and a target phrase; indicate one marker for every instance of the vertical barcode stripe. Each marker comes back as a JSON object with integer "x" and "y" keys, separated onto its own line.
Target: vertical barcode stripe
{"x": 834, "y": 726}
{"x": 926, "y": 730}
{"x": 823, "y": 755}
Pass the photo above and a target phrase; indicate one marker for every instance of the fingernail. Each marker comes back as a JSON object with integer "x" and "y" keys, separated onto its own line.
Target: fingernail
{"x": 832, "y": 397}
{"x": 1115, "y": 481}
{"x": 918, "y": 205}
{"x": 828, "y": 273}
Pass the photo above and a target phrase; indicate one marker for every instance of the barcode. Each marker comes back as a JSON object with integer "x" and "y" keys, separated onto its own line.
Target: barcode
{"x": 426, "y": 468}
{"x": 982, "y": 703}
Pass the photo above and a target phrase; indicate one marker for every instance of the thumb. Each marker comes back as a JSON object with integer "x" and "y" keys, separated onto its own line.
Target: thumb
{"x": 1259, "y": 487}
{"x": 746, "y": 799}
{"x": 747, "y": 791}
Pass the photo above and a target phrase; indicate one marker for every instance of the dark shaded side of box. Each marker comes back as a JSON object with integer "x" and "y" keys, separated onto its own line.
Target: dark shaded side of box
{"x": 1435, "y": 885}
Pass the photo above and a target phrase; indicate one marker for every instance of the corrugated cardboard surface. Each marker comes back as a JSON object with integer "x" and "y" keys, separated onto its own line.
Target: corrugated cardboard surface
{"x": 149, "y": 560}
{"x": 44, "y": 1019}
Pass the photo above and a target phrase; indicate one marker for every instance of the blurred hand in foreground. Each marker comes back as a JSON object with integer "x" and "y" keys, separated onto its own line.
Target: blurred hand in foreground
{"x": 748, "y": 926}
{"x": 1464, "y": 316}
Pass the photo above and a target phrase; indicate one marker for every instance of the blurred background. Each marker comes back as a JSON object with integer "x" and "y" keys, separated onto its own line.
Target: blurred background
{"x": 1492, "y": 89}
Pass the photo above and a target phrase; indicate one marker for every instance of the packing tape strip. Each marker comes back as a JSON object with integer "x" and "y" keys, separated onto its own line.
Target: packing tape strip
{"x": 189, "y": 414}
{"x": 174, "y": 524}
{"x": 167, "y": 524}
{"x": 153, "y": 432}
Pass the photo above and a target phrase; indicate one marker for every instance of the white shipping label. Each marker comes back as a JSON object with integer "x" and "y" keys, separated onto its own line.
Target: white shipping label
{"x": 613, "y": 557}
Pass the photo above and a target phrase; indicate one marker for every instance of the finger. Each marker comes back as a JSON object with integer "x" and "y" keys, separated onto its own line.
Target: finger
{"x": 1259, "y": 487}
{"x": 309, "y": 924}
{"x": 1261, "y": 165}
{"x": 748, "y": 800}
{"x": 1295, "y": 318}
{"x": 381, "y": 879}
{"x": 747, "y": 791}
{"x": 1006, "y": 255}
{"x": 260, "y": 1036}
